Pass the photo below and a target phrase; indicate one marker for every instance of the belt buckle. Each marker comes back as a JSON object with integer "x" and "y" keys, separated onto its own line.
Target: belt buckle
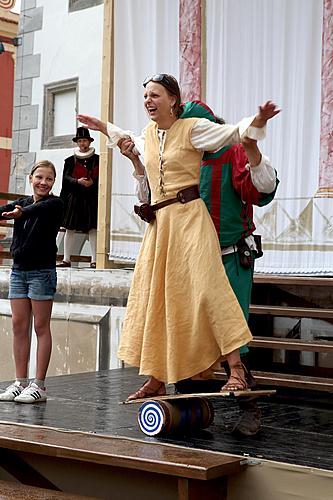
{"x": 145, "y": 212}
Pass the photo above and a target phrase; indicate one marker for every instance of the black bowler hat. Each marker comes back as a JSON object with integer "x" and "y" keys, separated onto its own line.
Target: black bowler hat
{"x": 82, "y": 133}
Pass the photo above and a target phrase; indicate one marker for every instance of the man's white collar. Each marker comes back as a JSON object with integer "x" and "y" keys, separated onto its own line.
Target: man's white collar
{"x": 88, "y": 154}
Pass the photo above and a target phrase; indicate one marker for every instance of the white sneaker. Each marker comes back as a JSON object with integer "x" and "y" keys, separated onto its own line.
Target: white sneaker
{"x": 31, "y": 394}
{"x": 12, "y": 391}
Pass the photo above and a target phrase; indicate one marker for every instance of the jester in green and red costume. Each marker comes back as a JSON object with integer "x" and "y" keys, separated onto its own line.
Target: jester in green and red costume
{"x": 230, "y": 186}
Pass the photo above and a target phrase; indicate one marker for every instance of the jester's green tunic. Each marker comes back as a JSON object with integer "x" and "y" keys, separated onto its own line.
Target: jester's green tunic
{"x": 229, "y": 194}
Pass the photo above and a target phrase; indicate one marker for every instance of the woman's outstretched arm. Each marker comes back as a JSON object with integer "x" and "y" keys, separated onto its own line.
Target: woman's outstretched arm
{"x": 93, "y": 123}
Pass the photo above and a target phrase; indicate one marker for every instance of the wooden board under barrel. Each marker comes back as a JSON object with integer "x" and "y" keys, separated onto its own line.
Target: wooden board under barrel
{"x": 224, "y": 394}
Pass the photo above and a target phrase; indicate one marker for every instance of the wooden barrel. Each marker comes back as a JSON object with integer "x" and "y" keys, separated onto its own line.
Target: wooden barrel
{"x": 182, "y": 415}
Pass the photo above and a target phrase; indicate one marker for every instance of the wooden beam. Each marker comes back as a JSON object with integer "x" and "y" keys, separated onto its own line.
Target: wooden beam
{"x": 10, "y": 490}
{"x": 105, "y": 167}
{"x": 135, "y": 454}
{"x": 192, "y": 489}
{"x": 287, "y": 380}
{"x": 24, "y": 472}
{"x": 11, "y": 196}
{"x": 4, "y": 254}
{"x": 292, "y": 344}
{"x": 286, "y": 280}
{"x": 292, "y": 312}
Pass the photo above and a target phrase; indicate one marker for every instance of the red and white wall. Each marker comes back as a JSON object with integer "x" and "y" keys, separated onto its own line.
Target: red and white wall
{"x": 8, "y": 31}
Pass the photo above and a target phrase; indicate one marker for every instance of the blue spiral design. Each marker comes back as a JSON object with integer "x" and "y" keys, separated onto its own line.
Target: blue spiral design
{"x": 151, "y": 418}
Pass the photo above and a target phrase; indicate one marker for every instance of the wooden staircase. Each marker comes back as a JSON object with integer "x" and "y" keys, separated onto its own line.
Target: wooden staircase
{"x": 291, "y": 297}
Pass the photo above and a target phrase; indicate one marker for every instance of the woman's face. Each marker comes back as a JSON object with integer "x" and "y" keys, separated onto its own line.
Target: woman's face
{"x": 42, "y": 181}
{"x": 158, "y": 102}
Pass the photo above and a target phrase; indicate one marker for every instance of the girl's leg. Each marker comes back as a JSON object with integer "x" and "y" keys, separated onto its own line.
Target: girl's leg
{"x": 236, "y": 381}
{"x": 93, "y": 240}
{"x": 68, "y": 244}
{"x": 21, "y": 318}
{"x": 41, "y": 310}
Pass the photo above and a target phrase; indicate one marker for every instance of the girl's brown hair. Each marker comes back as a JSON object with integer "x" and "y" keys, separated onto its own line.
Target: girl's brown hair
{"x": 44, "y": 163}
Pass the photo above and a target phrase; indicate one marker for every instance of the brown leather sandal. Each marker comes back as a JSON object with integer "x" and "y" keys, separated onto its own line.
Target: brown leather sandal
{"x": 236, "y": 381}
{"x": 64, "y": 263}
{"x": 146, "y": 391}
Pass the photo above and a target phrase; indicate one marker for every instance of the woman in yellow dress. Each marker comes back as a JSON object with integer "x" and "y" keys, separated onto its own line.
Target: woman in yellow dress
{"x": 182, "y": 315}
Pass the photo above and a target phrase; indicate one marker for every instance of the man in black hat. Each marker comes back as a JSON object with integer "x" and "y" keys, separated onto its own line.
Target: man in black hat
{"x": 80, "y": 195}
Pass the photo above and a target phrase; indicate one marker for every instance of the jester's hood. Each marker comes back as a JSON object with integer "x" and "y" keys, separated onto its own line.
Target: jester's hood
{"x": 198, "y": 109}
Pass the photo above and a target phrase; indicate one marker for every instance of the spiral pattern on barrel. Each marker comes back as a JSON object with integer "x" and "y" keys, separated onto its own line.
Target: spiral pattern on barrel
{"x": 151, "y": 418}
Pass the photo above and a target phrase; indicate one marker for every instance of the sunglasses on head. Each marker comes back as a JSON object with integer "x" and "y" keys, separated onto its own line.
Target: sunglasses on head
{"x": 161, "y": 78}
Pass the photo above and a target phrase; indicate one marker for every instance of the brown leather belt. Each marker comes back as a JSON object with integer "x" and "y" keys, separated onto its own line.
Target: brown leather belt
{"x": 146, "y": 211}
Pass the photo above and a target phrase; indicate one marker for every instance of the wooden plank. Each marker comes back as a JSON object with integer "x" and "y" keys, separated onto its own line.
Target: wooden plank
{"x": 292, "y": 312}
{"x": 223, "y": 394}
{"x": 278, "y": 279}
{"x": 23, "y": 472}
{"x": 288, "y": 380}
{"x": 4, "y": 254}
{"x": 10, "y": 490}
{"x": 297, "y": 381}
{"x": 9, "y": 223}
{"x": 114, "y": 451}
{"x": 192, "y": 489}
{"x": 75, "y": 258}
{"x": 105, "y": 160}
{"x": 11, "y": 196}
{"x": 292, "y": 344}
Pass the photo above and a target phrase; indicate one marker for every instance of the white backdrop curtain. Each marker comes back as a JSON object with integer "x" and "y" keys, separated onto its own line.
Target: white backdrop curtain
{"x": 146, "y": 43}
{"x": 256, "y": 50}
{"x": 268, "y": 49}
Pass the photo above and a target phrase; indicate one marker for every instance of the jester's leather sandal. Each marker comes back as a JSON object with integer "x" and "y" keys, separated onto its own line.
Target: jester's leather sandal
{"x": 236, "y": 381}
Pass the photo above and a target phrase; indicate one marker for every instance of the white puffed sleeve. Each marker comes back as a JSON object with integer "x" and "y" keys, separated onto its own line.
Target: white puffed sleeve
{"x": 141, "y": 187}
{"x": 116, "y": 133}
{"x": 263, "y": 175}
{"x": 210, "y": 136}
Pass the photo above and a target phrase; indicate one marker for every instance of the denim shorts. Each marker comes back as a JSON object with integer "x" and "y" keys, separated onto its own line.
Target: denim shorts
{"x": 39, "y": 284}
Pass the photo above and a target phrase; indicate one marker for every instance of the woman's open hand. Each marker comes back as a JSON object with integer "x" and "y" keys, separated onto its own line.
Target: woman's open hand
{"x": 265, "y": 112}
{"x": 93, "y": 123}
{"x": 14, "y": 214}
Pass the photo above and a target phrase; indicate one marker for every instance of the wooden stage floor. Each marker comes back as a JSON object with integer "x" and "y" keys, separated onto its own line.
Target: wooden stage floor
{"x": 296, "y": 429}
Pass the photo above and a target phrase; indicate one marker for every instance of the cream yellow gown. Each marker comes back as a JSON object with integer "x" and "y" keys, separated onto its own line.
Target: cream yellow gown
{"x": 182, "y": 314}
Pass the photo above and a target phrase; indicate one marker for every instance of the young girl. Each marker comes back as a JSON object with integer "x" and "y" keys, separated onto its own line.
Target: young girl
{"x": 33, "y": 279}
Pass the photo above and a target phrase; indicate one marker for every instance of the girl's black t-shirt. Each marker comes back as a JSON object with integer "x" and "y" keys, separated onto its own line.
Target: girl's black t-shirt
{"x": 35, "y": 232}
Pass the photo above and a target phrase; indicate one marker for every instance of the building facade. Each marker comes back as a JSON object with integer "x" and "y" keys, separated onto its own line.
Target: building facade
{"x": 58, "y": 69}
{"x": 8, "y": 31}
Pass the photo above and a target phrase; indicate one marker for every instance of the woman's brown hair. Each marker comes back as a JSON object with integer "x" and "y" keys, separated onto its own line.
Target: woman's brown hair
{"x": 170, "y": 83}
{"x": 44, "y": 163}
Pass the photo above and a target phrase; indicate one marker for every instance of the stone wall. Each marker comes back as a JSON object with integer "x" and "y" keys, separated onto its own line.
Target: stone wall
{"x": 86, "y": 321}
{"x": 25, "y": 117}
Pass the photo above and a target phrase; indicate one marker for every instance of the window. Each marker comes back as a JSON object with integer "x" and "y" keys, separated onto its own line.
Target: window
{"x": 74, "y": 5}
{"x": 59, "y": 117}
